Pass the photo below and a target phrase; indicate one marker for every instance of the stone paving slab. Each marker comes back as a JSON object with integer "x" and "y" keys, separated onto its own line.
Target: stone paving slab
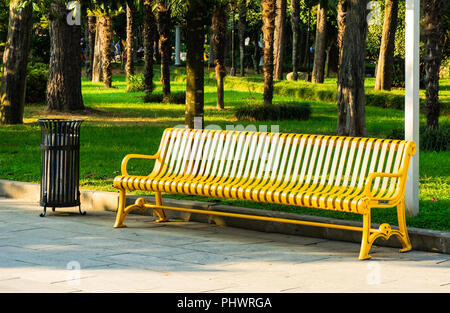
{"x": 66, "y": 252}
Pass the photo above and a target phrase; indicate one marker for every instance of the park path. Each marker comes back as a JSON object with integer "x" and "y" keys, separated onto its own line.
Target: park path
{"x": 66, "y": 252}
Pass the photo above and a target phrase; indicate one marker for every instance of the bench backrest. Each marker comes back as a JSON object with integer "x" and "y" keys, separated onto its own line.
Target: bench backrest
{"x": 282, "y": 158}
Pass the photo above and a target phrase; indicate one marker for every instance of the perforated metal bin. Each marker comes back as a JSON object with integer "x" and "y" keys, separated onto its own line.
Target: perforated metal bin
{"x": 60, "y": 163}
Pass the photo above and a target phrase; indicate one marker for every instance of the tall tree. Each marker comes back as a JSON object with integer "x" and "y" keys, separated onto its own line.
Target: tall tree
{"x": 90, "y": 45}
{"x": 219, "y": 30}
{"x": 64, "y": 77}
{"x": 434, "y": 11}
{"x": 15, "y": 60}
{"x": 295, "y": 25}
{"x": 268, "y": 14}
{"x": 318, "y": 73}
{"x": 386, "y": 57}
{"x": 131, "y": 13}
{"x": 341, "y": 17}
{"x": 97, "y": 75}
{"x": 242, "y": 28}
{"x": 351, "y": 113}
{"x": 165, "y": 48}
{"x": 279, "y": 38}
{"x": 104, "y": 10}
{"x": 233, "y": 6}
{"x": 150, "y": 30}
{"x": 195, "y": 38}
{"x": 106, "y": 41}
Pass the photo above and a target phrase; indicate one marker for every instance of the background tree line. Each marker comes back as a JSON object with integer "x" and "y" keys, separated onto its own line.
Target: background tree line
{"x": 310, "y": 39}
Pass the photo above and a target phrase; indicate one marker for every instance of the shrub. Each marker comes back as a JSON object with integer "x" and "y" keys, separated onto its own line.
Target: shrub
{"x": 135, "y": 83}
{"x": 430, "y": 140}
{"x": 37, "y": 77}
{"x": 435, "y": 139}
{"x": 284, "y": 111}
{"x": 173, "y": 98}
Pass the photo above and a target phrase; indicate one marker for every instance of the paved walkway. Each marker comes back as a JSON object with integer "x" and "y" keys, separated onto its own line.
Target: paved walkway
{"x": 65, "y": 252}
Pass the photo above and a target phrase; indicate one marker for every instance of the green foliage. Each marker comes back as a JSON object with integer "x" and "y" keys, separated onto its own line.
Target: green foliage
{"x": 284, "y": 111}
{"x": 4, "y": 17}
{"x": 174, "y": 98}
{"x": 135, "y": 83}
{"x": 435, "y": 139}
{"x": 375, "y": 32}
{"x": 430, "y": 139}
{"x": 37, "y": 76}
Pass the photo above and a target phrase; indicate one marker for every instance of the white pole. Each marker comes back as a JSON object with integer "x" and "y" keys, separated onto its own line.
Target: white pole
{"x": 412, "y": 33}
{"x": 177, "y": 45}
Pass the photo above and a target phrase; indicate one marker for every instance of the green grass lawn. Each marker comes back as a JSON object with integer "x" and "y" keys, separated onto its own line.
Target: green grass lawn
{"x": 118, "y": 123}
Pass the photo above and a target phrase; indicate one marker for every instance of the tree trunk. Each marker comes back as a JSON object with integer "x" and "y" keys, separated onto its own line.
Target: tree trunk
{"x": 268, "y": 29}
{"x": 279, "y": 39}
{"x": 233, "y": 43}
{"x": 433, "y": 20}
{"x": 64, "y": 77}
{"x": 219, "y": 33}
{"x": 97, "y": 73}
{"x": 106, "y": 33}
{"x": 15, "y": 61}
{"x": 242, "y": 27}
{"x": 295, "y": 20}
{"x": 165, "y": 49}
{"x": 342, "y": 12}
{"x": 195, "y": 36}
{"x": 90, "y": 45}
{"x": 307, "y": 48}
{"x": 256, "y": 55}
{"x": 351, "y": 114}
{"x": 131, "y": 12}
{"x": 386, "y": 57}
{"x": 320, "y": 44}
{"x": 149, "y": 36}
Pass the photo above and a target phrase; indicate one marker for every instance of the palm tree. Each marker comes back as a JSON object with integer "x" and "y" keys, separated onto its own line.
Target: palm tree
{"x": 351, "y": 112}
{"x": 105, "y": 11}
{"x": 295, "y": 21}
{"x": 279, "y": 38}
{"x": 434, "y": 12}
{"x": 131, "y": 12}
{"x": 163, "y": 20}
{"x": 150, "y": 30}
{"x": 341, "y": 17}
{"x": 318, "y": 73}
{"x": 242, "y": 26}
{"x": 268, "y": 7}
{"x": 64, "y": 77}
{"x": 386, "y": 57}
{"x": 90, "y": 44}
{"x": 195, "y": 37}
{"x": 219, "y": 30}
{"x": 15, "y": 60}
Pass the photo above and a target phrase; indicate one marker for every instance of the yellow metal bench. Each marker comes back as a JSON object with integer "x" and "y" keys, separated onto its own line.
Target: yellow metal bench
{"x": 325, "y": 172}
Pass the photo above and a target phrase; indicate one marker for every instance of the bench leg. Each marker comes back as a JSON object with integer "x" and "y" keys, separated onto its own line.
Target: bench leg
{"x": 366, "y": 242}
{"x": 384, "y": 231}
{"x": 121, "y": 210}
{"x": 403, "y": 232}
{"x": 160, "y": 212}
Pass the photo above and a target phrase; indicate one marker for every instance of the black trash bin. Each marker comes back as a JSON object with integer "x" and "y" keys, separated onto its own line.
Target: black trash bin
{"x": 60, "y": 163}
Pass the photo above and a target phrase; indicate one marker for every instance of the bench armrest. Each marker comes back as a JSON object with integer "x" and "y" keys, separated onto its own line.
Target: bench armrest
{"x": 135, "y": 156}
{"x": 369, "y": 182}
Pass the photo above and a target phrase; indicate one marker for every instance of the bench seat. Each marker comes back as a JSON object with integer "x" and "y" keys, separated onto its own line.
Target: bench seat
{"x": 320, "y": 196}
